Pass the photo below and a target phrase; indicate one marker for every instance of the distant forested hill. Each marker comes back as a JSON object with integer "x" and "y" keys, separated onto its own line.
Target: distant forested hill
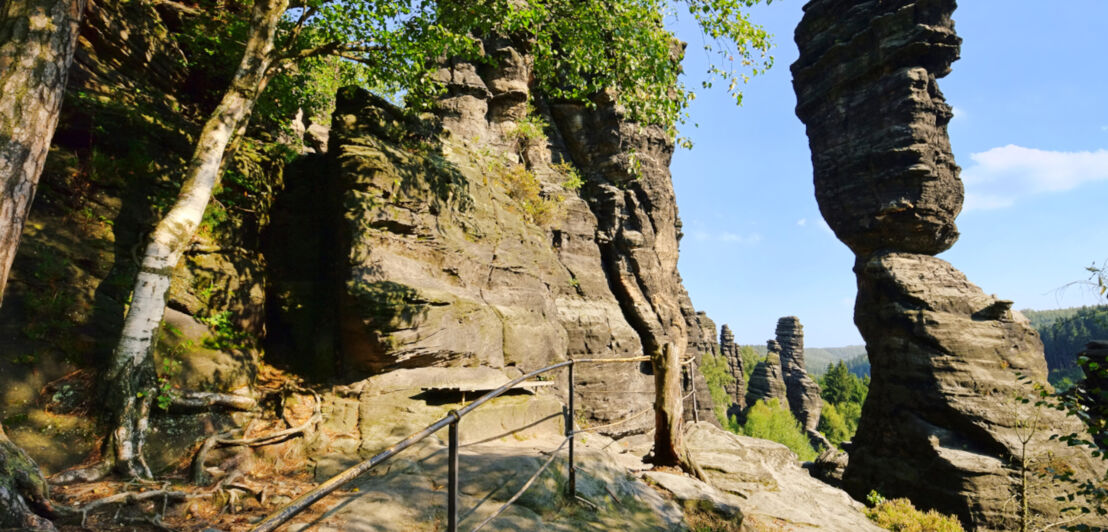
{"x": 816, "y": 359}
{"x": 1041, "y": 319}
{"x": 1066, "y": 331}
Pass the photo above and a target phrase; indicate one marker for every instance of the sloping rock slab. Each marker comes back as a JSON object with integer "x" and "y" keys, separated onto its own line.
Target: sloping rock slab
{"x": 687, "y": 489}
{"x": 775, "y": 490}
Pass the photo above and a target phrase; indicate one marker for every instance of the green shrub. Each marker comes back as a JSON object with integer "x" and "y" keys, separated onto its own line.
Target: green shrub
{"x": 715, "y": 371}
{"x": 523, "y": 187}
{"x": 771, "y": 421}
{"x": 571, "y": 178}
{"x": 901, "y": 516}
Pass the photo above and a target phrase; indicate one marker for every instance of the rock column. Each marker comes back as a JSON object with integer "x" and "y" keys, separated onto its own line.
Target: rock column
{"x": 767, "y": 382}
{"x": 941, "y": 424}
{"x": 802, "y": 391}
{"x": 737, "y": 389}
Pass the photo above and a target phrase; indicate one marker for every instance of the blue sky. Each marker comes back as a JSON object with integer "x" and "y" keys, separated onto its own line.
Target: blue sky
{"x": 1030, "y": 133}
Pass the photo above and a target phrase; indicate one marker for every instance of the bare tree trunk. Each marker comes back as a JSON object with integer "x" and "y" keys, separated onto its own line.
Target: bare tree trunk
{"x": 37, "y": 39}
{"x": 669, "y": 444}
{"x": 24, "y": 494}
{"x": 131, "y": 376}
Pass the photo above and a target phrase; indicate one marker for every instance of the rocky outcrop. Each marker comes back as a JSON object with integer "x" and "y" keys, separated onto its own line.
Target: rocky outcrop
{"x": 702, "y": 341}
{"x": 774, "y": 492}
{"x": 736, "y": 390}
{"x": 442, "y": 261}
{"x": 767, "y": 382}
{"x": 941, "y": 424}
{"x": 803, "y": 392}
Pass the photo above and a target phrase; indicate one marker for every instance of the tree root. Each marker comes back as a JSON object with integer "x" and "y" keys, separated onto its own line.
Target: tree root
{"x": 199, "y": 474}
{"x": 126, "y": 498}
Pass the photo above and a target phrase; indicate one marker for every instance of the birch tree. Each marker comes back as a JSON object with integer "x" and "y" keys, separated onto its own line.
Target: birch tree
{"x": 579, "y": 48}
{"x": 37, "y": 40}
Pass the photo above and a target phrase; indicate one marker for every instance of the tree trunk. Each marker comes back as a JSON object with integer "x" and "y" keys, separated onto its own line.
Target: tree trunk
{"x": 37, "y": 39}
{"x": 24, "y": 494}
{"x": 669, "y": 444}
{"x": 131, "y": 376}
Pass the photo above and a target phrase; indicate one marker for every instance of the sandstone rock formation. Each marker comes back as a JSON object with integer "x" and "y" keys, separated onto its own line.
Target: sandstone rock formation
{"x": 941, "y": 423}
{"x": 803, "y": 392}
{"x": 737, "y": 389}
{"x": 438, "y": 264}
{"x": 767, "y": 382}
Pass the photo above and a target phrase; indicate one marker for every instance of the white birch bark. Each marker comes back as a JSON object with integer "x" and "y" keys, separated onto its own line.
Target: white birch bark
{"x": 131, "y": 374}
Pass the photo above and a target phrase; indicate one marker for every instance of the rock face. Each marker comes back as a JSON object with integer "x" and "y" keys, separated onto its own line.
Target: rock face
{"x": 803, "y": 392}
{"x": 737, "y": 389}
{"x": 443, "y": 260}
{"x": 767, "y": 382}
{"x": 941, "y": 424}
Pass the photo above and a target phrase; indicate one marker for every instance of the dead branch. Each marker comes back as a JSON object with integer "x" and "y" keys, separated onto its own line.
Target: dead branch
{"x": 85, "y": 474}
{"x": 202, "y": 400}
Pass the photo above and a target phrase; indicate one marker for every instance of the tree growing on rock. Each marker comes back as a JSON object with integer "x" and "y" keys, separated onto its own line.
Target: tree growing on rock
{"x": 579, "y": 48}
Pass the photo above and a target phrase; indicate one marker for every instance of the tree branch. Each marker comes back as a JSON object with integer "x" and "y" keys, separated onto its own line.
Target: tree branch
{"x": 202, "y": 400}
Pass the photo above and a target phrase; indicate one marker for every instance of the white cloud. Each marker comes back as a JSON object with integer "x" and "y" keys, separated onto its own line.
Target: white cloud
{"x": 752, "y": 238}
{"x": 959, "y": 113}
{"x": 1001, "y": 176}
{"x": 826, "y": 228}
{"x": 802, "y": 222}
{"x": 726, "y": 237}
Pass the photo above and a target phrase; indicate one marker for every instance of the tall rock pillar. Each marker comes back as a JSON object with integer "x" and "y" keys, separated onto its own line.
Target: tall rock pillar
{"x": 801, "y": 390}
{"x": 941, "y": 424}
{"x": 737, "y": 389}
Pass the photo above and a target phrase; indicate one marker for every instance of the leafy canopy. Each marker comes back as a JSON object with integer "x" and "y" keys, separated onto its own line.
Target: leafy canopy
{"x": 579, "y": 48}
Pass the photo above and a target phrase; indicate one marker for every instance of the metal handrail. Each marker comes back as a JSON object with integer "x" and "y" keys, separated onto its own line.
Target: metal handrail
{"x": 451, "y": 420}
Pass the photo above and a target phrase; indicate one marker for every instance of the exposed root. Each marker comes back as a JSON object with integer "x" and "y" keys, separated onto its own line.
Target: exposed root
{"x": 124, "y": 499}
{"x": 199, "y": 471}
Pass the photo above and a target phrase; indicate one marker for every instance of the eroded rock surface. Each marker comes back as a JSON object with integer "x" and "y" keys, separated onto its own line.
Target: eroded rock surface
{"x": 941, "y": 424}
{"x": 866, "y": 90}
{"x": 775, "y": 492}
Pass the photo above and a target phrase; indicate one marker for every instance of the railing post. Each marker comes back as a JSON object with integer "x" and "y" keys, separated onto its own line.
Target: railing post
{"x": 452, "y": 479}
{"x": 571, "y": 483}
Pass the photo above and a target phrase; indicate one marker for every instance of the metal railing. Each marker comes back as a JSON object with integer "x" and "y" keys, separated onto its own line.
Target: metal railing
{"x": 451, "y": 420}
